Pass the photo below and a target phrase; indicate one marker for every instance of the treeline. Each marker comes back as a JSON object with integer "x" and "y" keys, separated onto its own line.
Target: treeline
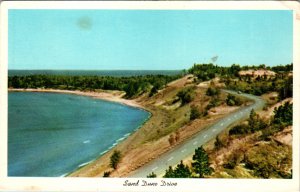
{"x": 133, "y": 86}
{"x": 209, "y": 71}
{"x": 281, "y": 82}
{"x": 205, "y": 72}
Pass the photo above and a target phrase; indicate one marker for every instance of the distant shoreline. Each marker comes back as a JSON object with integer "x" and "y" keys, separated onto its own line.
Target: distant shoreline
{"x": 114, "y": 96}
{"x": 101, "y": 73}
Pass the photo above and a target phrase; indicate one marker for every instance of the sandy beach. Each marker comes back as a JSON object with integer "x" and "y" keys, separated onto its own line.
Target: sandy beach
{"x": 113, "y": 96}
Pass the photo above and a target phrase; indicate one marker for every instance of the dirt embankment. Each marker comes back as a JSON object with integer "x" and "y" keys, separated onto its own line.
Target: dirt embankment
{"x": 256, "y": 73}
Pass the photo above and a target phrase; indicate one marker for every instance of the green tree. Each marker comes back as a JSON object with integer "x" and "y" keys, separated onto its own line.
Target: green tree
{"x": 106, "y": 174}
{"x": 234, "y": 70}
{"x": 255, "y": 123}
{"x": 232, "y": 100}
{"x": 115, "y": 159}
{"x": 200, "y": 164}
{"x": 152, "y": 175}
{"x": 154, "y": 90}
{"x": 252, "y": 118}
{"x": 131, "y": 89}
{"x": 284, "y": 114}
{"x": 169, "y": 173}
{"x": 181, "y": 171}
{"x": 186, "y": 95}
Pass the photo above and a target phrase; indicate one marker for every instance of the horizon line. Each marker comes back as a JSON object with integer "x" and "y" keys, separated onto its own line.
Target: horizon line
{"x": 249, "y": 65}
{"x": 104, "y": 69}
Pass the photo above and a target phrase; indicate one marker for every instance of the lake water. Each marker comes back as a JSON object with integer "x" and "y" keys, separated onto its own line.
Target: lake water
{"x": 115, "y": 73}
{"x": 52, "y": 134}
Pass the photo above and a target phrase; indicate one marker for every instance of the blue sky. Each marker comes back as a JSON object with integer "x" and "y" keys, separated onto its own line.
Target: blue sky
{"x": 147, "y": 39}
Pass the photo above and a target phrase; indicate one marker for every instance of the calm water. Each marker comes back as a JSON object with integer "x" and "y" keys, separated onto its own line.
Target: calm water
{"x": 52, "y": 134}
{"x": 115, "y": 73}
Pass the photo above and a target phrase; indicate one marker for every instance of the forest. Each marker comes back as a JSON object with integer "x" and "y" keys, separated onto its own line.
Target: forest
{"x": 133, "y": 86}
{"x": 281, "y": 82}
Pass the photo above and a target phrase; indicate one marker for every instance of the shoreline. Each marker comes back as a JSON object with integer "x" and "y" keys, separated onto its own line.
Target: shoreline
{"x": 117, "y": 97}
{"x": 114, "y": 96}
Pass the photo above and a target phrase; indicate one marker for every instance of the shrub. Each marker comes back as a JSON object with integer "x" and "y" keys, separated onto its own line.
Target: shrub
{"x": 213, "y": 103}
{"x": 233, "y": 161}
{"x": 239, "y": 130}
{"x": 218, "y": 143}
{"x": 186, "y": 95}
{"x": 106, "y": 174}
{"x": 266, "y": 162}
{"x": 212, "y": 91}
{"x": 230, "y": 164}
{"x": 233, "y": 100}
{"x": 115, "y": 159}
{"x": 194, "y": 113}
{"x": 152, "y": 175}
{"x": 177, "y": 136}
{"x": 171, "y": 139}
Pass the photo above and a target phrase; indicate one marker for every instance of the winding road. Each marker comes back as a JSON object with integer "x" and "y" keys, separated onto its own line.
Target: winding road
{"x": 174, "y": 156}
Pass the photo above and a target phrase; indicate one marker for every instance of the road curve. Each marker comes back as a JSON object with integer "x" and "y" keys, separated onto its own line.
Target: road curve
{"x": 187, "y": 148}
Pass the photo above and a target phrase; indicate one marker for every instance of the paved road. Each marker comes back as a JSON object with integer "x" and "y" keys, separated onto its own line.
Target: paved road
{"x": 174, "y": 156}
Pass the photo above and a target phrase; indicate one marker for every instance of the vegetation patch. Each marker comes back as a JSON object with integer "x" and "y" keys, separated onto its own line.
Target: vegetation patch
{"x": 257, "y": 154}
{"x": 269, "y": 160}
{"x": 186, "y": 95}
{"x": 115, "y": 159}
{"x": 252, "y": 83}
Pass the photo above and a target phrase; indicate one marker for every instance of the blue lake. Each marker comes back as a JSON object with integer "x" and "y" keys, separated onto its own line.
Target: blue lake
{"x": 114, "y": 73}
{"x": 52, "y": 134}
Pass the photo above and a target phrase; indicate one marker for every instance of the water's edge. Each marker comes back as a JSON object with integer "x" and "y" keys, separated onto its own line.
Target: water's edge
{"x": 107, "y": 99}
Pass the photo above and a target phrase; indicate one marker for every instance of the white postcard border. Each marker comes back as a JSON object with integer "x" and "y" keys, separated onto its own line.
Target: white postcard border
{"x": 116, "y": 184}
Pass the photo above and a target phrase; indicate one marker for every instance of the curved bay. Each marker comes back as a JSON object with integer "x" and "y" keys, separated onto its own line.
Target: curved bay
{"x": 51, "y": 134}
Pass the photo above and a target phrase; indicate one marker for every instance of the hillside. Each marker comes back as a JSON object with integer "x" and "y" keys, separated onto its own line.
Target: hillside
{"x": 260, "y": 146}
{"x": 265, "y": 153}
